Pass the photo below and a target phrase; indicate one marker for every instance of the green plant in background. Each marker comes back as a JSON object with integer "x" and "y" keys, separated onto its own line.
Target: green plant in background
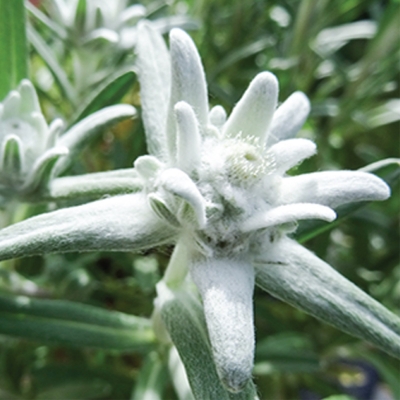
{"x": 89, "y": 50}
{"x": 221, "y": 190}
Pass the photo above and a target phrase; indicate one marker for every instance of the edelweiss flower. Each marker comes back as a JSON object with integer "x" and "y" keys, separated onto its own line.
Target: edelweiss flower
{"x": 222, "y": 183}
{"x": 31, "y": 151}
{"x": 28, "y": 144}
{"x": 103, "y": 19}
{"x": 217, "y": 188}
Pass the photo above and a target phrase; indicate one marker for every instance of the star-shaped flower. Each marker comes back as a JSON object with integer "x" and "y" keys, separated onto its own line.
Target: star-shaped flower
{"x": 31, "y": 152}
{"x": 217, "y": 188}
{"x": 222, "y": 183}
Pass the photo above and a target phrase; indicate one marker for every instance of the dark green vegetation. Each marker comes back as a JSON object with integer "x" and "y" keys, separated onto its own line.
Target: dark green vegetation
{"x": 344, "y": 56}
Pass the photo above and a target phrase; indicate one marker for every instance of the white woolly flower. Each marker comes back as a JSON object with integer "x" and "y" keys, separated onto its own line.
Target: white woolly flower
{"x": 32, "y": 152}
{"x": 222, "y": 183}
{"x": 103, "y": 19}
{"x": 28, "y": 145}
{"x": 216, "y": 187}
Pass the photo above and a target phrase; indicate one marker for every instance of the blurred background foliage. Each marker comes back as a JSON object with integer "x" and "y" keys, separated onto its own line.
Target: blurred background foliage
{"x": 345, "y": 56}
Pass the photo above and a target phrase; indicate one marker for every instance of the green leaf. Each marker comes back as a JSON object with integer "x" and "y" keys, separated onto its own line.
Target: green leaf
{"x": 286, "y": 352}
{"x": 301, "y": 279}
{"x": 240, "y": 54}
{"x": 383, "y": 45}
{"x": 107, "y": 93}
{"x": 74, "y": 380}
{"x": 152, "y": 379}
{"x": 119, "y": 223}
{"x": 184, "y": 319}
{"x": 81, "y": 133}
{"x": 55, "y": 68}
{"x": 13, "y": 48}
{"x": 72, "y": 324}
{"x": 44, "y": 19}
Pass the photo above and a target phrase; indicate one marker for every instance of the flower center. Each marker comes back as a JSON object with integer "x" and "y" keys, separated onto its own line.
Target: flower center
{"x": 246, "y": 162}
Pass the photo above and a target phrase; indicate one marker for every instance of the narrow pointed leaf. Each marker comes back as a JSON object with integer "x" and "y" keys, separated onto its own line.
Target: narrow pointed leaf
{"x": 72, "y": 324}
{"x": 95, "y": 185}
{"x": 151, "y": 379}
{"x": 106, "y": 94}
{"x": 121, "y": 223}
{"x": 296, "y": 276}
{"x": 388, "y": 169}
{"x": 13, "y": 48}
{"x": 180, "y": 309}
{"x": 40, "y": 16}
{"x": 50, "y": 59}
{"x": 85, "y": 130}
{"x": 154, "y": 76}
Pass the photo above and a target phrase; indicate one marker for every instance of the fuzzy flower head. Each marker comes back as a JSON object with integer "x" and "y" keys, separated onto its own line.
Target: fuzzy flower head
{"x": 217, "y": 188}
{"x": 28, "y": 148}
{"x": 221, "y": 183}
{"x": 32, "y": 153}
{"x": 98, "y": 20}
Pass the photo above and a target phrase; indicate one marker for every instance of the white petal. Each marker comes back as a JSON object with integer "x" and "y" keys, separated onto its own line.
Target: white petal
{"x": 154, "y": 76}
{"x": 30, "y": 101}
{"x": 54, "y": 132}
{"x": 41, "y": 171}
{"x": 11, "y": 104}
{"x": 188, "y": 140}
{"x": 99, "y": 35}
{"x": 179, "y": 184}
{"x": 289, "y": 153}
{"x": 147, "y": 166}
{"x": 38, "y": 122}
{"x": 253, "y": 113}
{"x": 289, "y": 118}
{"x": 132, "y": 13}
{"x": 333, "y": 188}
{"x": 226, "y": 287}
{"x": 287, "y": 214}
{"x": 188, "y": 83}
{"x": 217, "y": 116}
